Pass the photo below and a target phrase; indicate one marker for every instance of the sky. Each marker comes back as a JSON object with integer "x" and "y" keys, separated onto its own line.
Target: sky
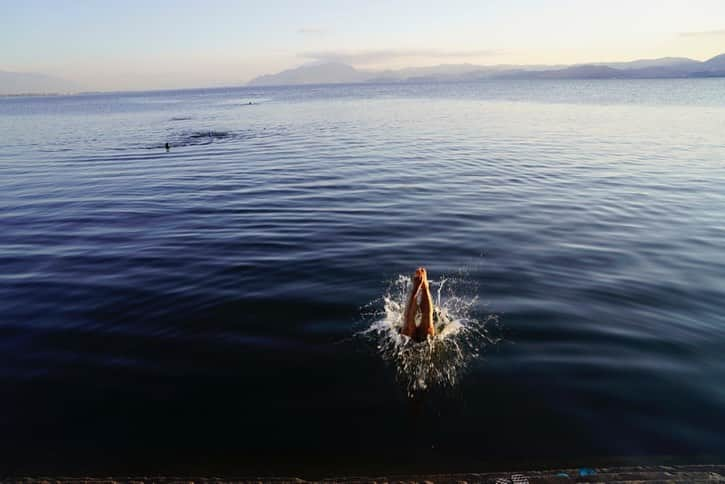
{"x": 156, "y": 44}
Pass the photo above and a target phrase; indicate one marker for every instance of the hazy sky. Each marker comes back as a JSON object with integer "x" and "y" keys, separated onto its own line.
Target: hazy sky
{"x": 182, "y": 43}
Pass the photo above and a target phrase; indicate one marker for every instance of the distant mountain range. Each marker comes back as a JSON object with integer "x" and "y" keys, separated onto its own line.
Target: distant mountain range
{"x": 338, "y": 73}
{"x": 14, "y": 83}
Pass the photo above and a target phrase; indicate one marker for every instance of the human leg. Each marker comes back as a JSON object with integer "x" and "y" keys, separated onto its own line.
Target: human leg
{"x": 426, "y": 328}
{"x": 411, "y": 307}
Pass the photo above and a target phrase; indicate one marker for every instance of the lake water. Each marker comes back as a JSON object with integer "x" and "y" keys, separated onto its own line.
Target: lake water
{"x": 229, "y": 306}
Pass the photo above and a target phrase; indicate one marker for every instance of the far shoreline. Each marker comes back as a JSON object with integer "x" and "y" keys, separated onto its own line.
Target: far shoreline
{"x": 341, "y": 84}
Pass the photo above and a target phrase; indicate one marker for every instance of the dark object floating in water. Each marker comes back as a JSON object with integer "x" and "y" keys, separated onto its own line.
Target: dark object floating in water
{"x": 167, "y": 146}
{"x": 181, "y": 118}
{"x": 209, "y": 134}
{"x": 185, "y": 138}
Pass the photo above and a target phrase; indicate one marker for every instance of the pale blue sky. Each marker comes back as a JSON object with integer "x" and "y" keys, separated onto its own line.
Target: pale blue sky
{"x": 165, "y": 44}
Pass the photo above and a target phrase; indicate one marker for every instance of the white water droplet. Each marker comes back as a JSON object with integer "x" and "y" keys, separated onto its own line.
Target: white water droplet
{"x": 440, "y": 360}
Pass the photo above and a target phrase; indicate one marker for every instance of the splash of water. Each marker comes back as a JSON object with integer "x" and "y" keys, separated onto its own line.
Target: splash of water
{"x": 440, "y": 360}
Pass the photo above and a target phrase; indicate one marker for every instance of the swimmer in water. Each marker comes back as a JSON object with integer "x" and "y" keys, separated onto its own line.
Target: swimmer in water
{"x": 168, "y": 147}
{"x": 419, "y": 299}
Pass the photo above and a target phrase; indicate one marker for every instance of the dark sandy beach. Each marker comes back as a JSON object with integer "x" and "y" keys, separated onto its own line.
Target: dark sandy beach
{"x": 633, "y": 474}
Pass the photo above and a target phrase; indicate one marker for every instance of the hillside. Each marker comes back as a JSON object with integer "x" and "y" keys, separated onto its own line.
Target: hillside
{"x": 334, "y": 73}
{"x": 13, "y": 83}
{"x": 331, "y": 73}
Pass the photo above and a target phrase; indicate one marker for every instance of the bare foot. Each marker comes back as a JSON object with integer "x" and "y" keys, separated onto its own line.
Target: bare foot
{"x": 420, "y": 277}
{"x": 424, "y": 276}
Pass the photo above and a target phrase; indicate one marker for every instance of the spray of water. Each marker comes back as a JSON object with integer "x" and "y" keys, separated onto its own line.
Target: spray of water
{"x": 438, "y": 361}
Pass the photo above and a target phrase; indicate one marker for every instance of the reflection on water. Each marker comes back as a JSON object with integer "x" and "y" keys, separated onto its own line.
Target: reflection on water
{"x": 203, "y": 306}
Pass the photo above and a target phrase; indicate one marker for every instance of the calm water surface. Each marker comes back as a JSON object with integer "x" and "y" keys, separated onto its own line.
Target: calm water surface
{"x": 206, "y": 309}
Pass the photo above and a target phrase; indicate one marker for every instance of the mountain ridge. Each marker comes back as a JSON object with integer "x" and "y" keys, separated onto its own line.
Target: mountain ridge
{"x": 17, "y": 83}
{"x": 339, "y": 73}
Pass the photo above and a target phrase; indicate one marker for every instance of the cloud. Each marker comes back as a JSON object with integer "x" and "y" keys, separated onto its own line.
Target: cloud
{"x": 311, "y": 31}
{"x": 386, "y": 55}
{"x": 703, "y": 33}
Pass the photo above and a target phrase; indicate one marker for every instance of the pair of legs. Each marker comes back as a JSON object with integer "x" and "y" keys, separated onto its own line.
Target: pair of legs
{"x": 425, "y": 304}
